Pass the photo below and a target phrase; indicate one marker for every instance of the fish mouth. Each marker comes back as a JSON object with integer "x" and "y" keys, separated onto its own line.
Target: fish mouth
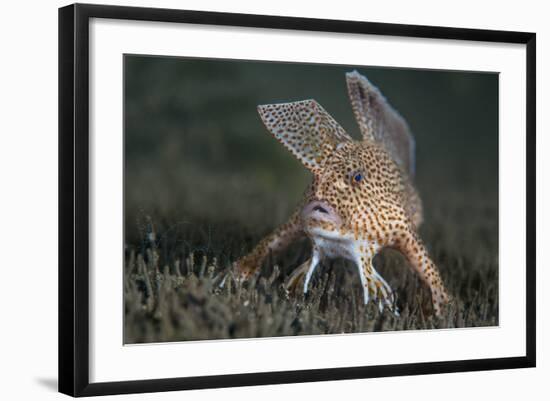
{"x": 319, "y": 210}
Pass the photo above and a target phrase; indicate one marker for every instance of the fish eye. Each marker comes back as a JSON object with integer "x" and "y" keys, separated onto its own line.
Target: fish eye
{"x": 357, "y": 177}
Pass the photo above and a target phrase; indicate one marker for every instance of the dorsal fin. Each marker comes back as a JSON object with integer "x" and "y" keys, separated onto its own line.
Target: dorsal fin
{"x": 304, "y": 128}
{"x": 380, "y": 122}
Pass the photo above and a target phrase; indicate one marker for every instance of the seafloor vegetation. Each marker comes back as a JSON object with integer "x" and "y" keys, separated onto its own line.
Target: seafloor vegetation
{"x": 172, "y": 284}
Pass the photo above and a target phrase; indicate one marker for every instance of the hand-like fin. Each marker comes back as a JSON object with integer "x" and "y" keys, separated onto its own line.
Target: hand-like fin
{"x": 304, "y": 128}
{"x": 380, "y": 122}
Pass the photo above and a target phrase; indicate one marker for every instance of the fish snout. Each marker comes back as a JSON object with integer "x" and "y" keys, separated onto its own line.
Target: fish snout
{"x": 321, "y": 211}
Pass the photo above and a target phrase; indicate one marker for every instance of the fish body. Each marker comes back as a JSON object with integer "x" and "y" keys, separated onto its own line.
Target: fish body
{"x": 361, "y": 198}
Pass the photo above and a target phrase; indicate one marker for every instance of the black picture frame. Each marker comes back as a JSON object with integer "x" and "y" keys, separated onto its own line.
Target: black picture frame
{"x": 74, "y": 198}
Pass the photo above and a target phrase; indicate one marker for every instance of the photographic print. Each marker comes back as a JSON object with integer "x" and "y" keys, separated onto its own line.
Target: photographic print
{"x": 267, "y": 199}
{"x": 239, "y": 206}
